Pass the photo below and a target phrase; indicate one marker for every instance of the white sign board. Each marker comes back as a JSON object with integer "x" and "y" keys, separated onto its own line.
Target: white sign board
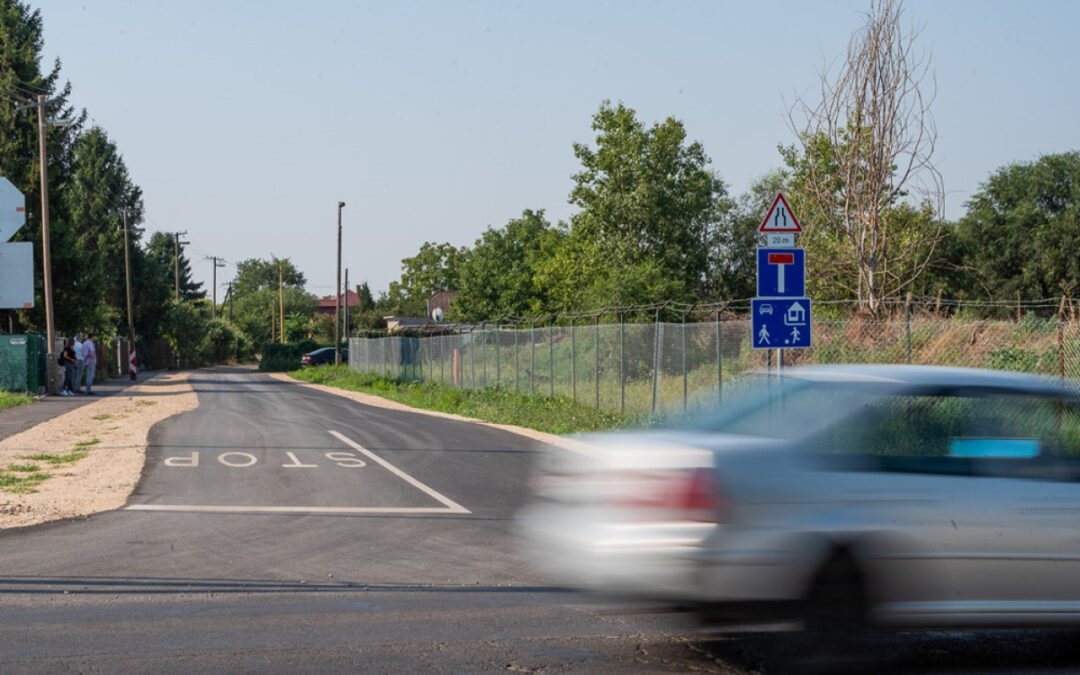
{"x": 780, "y": 217}
{"x": 17, "y": 275}
{"x": 12, "y": 209}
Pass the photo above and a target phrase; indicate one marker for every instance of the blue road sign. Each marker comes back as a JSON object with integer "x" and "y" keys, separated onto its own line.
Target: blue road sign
{"x": 781, "y": 272}
{"x": 781, "y": 323}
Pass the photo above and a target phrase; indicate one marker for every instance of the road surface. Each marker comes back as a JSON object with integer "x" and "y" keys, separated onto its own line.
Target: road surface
{"x": 281, "y": 529}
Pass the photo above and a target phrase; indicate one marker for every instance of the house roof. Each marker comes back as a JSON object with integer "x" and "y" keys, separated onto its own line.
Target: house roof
{"x": 349, "y": 298}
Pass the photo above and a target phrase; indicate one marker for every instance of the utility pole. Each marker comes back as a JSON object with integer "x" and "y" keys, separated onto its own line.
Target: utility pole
{"x": 218, "y": 262}
{"x": 176, "y": 261}
{"x": 46, "y": 249}
{"x": 281, "y": 302}
{"x": 337, "y": 292}
{"x": 127, "y": 279}
{"x": 228, "y": 300}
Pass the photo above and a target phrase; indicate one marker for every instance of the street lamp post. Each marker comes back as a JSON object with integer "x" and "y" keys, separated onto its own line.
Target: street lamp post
{"x": 337, "y": 292}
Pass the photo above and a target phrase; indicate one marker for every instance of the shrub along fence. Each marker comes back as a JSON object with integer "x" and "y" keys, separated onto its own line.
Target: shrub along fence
{"x": 664, "y": 365}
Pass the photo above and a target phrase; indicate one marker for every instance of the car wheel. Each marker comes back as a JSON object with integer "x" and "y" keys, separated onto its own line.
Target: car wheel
{"x": 837, "y": 601}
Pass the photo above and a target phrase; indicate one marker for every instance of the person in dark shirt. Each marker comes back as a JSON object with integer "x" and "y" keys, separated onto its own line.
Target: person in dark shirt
{"x": 67, "y": 357}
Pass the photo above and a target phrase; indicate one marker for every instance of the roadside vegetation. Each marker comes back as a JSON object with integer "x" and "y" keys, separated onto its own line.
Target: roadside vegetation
{"x": 10, "y": 399}
{"x": 551, "y": 414}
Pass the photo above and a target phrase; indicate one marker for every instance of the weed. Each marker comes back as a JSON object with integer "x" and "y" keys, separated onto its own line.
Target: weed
{"x": 10, "y": 399}
{"x": 101, "y": 417}
{"x": 143, "y": 404}
{"x": 73, "y": 456}
{"x": 20, "y": 484}
{"x": 87, "y": 444}
{"x": 554, "y": 414}
{"x": 26, "y": 468}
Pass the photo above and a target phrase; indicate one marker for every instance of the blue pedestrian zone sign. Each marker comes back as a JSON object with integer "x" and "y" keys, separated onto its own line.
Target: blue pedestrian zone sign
{"x": 781, "y": 272}
{"x": 781, "y": 323}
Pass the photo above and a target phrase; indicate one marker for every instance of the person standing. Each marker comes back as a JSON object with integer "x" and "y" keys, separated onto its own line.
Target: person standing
{"x": 67, "y": 357}
{"x": 89, "y": 361}
{"x": 79, "y": 364}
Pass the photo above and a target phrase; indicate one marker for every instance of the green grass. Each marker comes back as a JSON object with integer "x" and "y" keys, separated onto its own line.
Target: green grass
{"x": 552, "y": 414}
{"x": 101, "y": 417}
{"x": 25, "y": 468}
{"x": 69, "y": 458}
{"x": 10, "y": 399}
{"x": 87, "y": 444}
{"x": 13, "y": 482}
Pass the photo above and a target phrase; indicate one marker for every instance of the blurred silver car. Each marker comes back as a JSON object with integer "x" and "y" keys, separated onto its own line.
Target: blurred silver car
{"x": 897, "y": 496}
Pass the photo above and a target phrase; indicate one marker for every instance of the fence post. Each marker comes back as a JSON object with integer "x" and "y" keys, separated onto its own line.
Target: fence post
{"x": 573, "y": 362}
{"x": 1061, "y": 341}
{"x": 483, "y": 329}
{"x": 498, "y": 363}
{"x": 596, "y": 356}
{"x": 907, "y": 322}
{"x": 622, "y": 364}
{"x": 472, "y": 359}
{"x": 517, "y": 363}
{"x": 532, "y": 356}
{"x": 684, "y": 382}
{"x": 719, "y": 360}
{"x": 551, "y": 354}
{"x": 656, "y": 362}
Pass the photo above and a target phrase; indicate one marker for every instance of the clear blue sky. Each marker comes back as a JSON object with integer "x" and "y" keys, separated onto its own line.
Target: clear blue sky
{"x": 245, "y": 122}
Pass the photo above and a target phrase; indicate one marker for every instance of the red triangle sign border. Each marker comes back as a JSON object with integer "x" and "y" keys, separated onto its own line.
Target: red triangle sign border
{"x": 764, "y": 227}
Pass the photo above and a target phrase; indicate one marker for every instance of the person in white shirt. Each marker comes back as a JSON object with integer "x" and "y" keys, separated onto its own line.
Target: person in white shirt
{"x": 79, "y": 364}
{"x": 89, "y": 362}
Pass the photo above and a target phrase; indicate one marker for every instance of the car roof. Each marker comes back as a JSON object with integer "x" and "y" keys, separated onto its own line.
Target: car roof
{"x": 929, "y": 376}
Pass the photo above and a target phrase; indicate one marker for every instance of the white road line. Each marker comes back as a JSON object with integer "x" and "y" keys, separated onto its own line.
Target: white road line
{"x": 315, "y": 510}
{"x": 451, "y": 505}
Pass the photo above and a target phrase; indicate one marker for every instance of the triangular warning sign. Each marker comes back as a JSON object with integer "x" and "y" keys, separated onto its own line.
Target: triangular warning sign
{"x": 780, "y": 217}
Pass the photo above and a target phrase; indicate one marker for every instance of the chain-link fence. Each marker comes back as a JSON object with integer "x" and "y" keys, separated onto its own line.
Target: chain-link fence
{"x": 645, "y": 367}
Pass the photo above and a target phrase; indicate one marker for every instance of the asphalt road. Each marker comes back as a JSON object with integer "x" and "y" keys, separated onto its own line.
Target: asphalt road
{"x": 280, "y": 529}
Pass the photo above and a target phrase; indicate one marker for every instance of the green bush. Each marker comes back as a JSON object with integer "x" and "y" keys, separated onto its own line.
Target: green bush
{"x": 279, "y": 357}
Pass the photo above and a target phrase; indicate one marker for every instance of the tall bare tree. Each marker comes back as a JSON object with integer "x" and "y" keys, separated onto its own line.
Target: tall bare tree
{"x": 865, "y": 174}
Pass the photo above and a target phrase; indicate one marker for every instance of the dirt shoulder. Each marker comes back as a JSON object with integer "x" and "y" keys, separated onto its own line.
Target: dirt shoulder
{"x": 93, "y": 455}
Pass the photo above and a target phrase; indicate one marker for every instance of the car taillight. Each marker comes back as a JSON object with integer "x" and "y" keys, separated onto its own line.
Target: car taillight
{"x": 685, "y": 494}
{"x": 305, "y": 359}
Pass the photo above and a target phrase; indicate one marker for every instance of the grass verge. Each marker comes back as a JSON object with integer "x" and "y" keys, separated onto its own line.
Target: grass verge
{"x": 552, "y": 414}
{"x": 10, "y": 399}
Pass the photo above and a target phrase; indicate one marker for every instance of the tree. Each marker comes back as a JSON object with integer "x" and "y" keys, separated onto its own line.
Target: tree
{"x": 865, "y": 146}
{"x": 88, "y": 255}
{"x": 498, "y": 275}
{"x": 1022, "y": 229}
{"x": 254, "y": 274}
{"x": 435, "y": 267}
{"x": 733, "y": 252}
{"x": 647, "y": 201}
{"x": 256, "y": 302}
{"x": 21, "y": 80}
{"x": 167, "y": 256}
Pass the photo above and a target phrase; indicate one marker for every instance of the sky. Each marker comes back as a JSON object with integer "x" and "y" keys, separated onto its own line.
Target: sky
{"x": 245, "y": 122}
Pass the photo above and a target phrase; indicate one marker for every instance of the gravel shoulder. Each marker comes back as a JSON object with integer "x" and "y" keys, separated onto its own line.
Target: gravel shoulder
{"x": 113, "y": 435}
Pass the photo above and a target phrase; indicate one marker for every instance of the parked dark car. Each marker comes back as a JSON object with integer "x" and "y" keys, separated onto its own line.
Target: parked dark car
{"x": 323, "y": 356}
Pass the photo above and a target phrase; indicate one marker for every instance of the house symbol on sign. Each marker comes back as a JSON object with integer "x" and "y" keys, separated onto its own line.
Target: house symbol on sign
{"x": 795, "y": 315}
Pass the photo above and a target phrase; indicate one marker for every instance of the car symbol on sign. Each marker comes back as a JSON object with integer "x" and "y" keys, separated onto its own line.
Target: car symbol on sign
{"x": 765, "y": 309}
